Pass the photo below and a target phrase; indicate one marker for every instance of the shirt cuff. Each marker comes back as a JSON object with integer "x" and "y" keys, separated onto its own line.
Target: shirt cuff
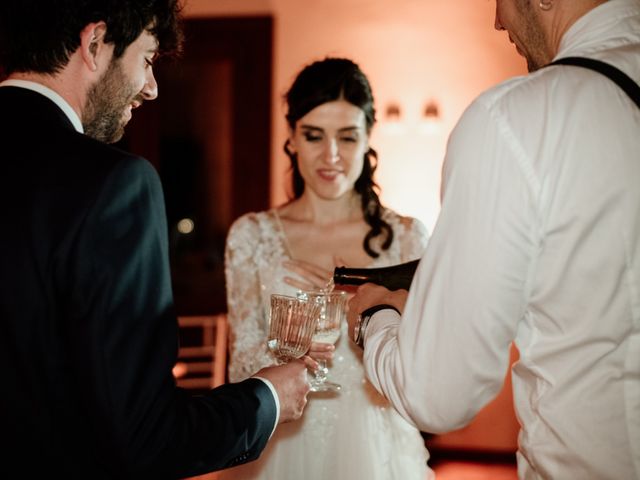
{"x": 277, "y": 400}
{"x": 383, "y": 318}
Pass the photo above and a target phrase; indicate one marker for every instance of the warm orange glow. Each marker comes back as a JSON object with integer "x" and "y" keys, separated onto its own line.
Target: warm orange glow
{"x": 179, "y": 370}
{"x": 412, "y": 52}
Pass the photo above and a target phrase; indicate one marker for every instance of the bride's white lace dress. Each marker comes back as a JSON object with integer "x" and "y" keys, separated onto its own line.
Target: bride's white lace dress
{"x": 355, "y": 435}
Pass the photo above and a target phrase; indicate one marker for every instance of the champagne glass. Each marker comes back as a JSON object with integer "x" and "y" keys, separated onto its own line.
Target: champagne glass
{"x": 332, "y": 313}
{"x": 292, "y": 322}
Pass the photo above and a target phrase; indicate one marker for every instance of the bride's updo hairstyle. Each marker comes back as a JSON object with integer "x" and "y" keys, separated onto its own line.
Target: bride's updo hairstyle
{"x": 326, "y": 81}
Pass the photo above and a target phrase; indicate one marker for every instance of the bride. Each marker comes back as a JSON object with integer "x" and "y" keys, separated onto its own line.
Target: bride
{"x": 335, "y": 218}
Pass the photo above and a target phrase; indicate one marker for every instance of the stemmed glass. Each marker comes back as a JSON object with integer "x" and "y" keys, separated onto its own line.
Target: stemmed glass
{"x": 332, "y": 313}
{"x": 292, "y": 322}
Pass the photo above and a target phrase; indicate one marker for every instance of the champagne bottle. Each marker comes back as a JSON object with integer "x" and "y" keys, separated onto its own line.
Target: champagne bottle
{"x": 394, "y": 277}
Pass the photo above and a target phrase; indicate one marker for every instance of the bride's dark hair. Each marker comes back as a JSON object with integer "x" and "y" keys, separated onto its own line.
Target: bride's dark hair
{"x": 326, "y": 81}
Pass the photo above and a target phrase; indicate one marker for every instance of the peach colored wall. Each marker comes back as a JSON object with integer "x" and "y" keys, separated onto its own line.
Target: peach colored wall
{"x": 412, "y": 51}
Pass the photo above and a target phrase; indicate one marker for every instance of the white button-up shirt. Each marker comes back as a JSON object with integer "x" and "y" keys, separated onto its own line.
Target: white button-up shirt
{"x": 538, "y": 242}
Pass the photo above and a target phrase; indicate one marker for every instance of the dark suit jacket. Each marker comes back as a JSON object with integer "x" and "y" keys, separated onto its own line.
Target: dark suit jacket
{"x": 88, "y": 335}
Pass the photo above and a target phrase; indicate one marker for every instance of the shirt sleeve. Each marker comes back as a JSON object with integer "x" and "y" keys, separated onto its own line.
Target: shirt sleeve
{"x": 446, "y": 357}
{"x": 277, "y": 400}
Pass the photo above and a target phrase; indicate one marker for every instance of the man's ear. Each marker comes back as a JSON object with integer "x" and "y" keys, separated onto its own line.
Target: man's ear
{"x": 92, "y": 46}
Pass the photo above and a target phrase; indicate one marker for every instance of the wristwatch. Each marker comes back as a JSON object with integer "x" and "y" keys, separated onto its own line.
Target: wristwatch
{"x": 362, "y": 322}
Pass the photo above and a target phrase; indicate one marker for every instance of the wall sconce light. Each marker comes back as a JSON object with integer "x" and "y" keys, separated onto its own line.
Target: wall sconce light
{"x": 431, "y": 120}
{"x": 431, "y": 111}
{"x": 428, "y": 121}
{"x": 392, "y": 113}
{"x": 392, "y": 119}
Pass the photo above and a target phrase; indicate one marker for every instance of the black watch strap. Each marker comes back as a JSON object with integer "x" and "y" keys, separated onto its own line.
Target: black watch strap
{"x": 363, "y": 322}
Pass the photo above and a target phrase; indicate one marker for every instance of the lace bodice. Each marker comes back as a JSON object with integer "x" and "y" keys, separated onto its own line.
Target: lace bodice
{"x": 255, "y": 251}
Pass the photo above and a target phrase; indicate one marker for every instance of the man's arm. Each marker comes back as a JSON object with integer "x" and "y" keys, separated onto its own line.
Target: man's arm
{"x": 446, "y": 357}
{"x": 125, "y": 345}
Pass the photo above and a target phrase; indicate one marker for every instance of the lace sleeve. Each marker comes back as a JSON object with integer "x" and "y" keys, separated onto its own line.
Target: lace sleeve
{"x": 413, "y": 240}
{"x": 248, "y": 351}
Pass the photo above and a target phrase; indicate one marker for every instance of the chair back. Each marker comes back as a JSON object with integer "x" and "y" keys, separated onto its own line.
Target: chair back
{"x": 202, "y": 357}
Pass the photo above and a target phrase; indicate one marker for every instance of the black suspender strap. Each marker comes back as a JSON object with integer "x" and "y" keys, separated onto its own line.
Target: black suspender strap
{"x": 622, "y": 79}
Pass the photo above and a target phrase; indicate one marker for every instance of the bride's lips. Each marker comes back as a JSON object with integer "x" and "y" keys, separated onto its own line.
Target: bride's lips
{"x": 328, "y": 174}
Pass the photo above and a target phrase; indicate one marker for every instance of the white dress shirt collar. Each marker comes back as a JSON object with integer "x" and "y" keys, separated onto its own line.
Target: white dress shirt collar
{"x": 598, "y": 29}
{"x": 51, "y": 95}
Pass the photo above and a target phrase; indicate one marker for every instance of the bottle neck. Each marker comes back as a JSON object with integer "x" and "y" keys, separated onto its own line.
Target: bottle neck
{"x": 353, "y": 276}
{"x": 392, "y": 277}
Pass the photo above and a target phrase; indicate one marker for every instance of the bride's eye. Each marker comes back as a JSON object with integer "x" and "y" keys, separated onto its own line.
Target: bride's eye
{"x": 311, "y": 137}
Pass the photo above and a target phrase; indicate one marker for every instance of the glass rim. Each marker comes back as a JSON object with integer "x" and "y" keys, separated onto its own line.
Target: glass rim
{"x": 280, "y": 296}
{"x": 286, "y": 297}
{"x": 341, "y": 293}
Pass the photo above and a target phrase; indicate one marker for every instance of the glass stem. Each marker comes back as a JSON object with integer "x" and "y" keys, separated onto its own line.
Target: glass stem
{"x": 321, "y": 372}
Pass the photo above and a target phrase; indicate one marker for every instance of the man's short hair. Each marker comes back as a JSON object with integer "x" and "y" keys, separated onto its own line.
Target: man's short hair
{"x": 39, "y": 36}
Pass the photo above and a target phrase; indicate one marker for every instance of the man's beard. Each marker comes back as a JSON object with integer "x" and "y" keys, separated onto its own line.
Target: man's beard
{"x": 107, "y": 100}
{"x": 535, "y": 49}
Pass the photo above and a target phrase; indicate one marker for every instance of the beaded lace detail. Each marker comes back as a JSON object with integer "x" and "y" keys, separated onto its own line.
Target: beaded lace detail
{"x": 255, "y": 251}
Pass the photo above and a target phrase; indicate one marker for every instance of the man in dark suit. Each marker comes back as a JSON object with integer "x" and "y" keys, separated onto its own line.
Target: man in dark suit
{"x": 88, "y": 335}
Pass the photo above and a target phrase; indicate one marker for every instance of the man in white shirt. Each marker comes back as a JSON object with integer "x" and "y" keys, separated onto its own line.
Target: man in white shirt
{"x": 537, "y": 243}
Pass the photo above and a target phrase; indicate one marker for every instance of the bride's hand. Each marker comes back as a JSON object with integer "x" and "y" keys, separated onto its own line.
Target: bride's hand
{"x": 321, "y": 351}
{"x": 318, "y": 351}
{"x": 309, "y": 276}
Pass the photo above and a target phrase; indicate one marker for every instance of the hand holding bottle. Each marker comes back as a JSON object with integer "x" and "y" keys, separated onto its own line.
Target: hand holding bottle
{"x": 370, "y": 295}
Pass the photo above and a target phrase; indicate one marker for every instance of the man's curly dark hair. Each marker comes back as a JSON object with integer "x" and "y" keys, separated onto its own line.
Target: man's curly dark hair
{"x": 39, "y": 36}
